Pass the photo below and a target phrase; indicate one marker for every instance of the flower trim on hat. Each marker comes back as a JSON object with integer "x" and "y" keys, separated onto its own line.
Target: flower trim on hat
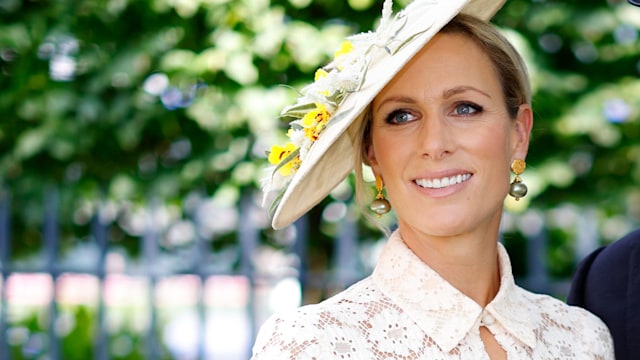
{"x": 318, "y": 101}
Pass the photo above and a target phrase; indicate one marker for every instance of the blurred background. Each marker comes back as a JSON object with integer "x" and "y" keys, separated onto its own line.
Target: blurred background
{"x": 132, "y": 142}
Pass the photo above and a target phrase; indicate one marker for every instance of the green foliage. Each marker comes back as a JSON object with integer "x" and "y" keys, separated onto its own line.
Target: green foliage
{"x": 584, "y": 61}
{"x": 29, "y": 336}
{"x": 126, "y": 102}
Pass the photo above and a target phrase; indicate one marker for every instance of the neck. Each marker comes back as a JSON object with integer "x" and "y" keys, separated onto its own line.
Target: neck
{"x": 468, "y": 263}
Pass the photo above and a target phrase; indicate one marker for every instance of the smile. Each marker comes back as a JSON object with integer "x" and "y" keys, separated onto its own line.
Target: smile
{"x": 442, "y": 182}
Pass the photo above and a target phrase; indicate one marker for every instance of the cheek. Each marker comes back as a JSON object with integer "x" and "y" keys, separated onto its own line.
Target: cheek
{"x": 388, "y": 149}
{"x": 492, "y": 139}
{"x": 494, "y": 148}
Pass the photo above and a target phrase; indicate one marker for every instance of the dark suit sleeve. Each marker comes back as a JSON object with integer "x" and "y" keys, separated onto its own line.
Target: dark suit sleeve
{"x": 607, "y": 283}
{"x": 579, "y": 283}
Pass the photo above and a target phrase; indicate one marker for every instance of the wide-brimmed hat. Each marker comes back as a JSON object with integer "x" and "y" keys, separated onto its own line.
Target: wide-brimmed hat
{"x": 326, "y": 120}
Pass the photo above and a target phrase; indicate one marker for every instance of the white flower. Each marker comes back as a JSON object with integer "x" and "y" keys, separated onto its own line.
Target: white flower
{"x": 297, "y": 137}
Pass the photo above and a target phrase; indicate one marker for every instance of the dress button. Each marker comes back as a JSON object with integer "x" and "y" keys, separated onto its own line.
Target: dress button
{"x": 487, "y": 320}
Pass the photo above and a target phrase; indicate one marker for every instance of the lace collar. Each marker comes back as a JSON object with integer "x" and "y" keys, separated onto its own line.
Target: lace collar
{"x": 441, "y": 311}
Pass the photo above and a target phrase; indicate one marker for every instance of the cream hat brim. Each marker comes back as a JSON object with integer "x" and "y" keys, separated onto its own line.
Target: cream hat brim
{"x": 332, "y": 156}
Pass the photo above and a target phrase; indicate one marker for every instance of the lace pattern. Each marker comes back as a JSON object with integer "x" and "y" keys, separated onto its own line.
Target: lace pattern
{"x": 405, "y": 310}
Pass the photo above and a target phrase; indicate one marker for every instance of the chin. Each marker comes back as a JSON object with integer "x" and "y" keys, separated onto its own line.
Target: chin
{"x": 443, "y": 226}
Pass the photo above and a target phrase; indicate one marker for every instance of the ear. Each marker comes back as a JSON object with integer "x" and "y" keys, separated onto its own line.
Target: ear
{"x": 372, "y": 161}
{"x": 521, "y": 132}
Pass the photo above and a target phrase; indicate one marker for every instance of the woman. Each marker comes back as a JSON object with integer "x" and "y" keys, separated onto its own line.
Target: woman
{"x": 441, "y": 112}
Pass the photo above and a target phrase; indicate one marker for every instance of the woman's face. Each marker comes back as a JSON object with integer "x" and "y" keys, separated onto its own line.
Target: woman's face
{"x": 443, "y": 142}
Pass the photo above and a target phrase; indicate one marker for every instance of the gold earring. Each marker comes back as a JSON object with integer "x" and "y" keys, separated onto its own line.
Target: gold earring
{"x": 518, "y": 189}
{"x": 380, "y": 205}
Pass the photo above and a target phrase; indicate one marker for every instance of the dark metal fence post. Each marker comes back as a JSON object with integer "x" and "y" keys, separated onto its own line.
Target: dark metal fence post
{"x": 346, "y": 260}
{"x": 150, "y": 254}
{"x": 201, "y": 308}
{"x": 5, "y": 250}
{"x": 50, "y": 234}
{"x": 99, "y": 231}
{"x": 300, "y": 249}
{"x": 200, "y": 252}
{"x": 587, "y": 233}
{"x": 248, "y": 236}
{"x": 536, "y": 263}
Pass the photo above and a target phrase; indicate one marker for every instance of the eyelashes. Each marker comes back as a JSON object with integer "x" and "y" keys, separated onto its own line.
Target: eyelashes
{"x": 467, "y": 109}
{"x": 463, "y": 109}
{"x": 400, "y": 116}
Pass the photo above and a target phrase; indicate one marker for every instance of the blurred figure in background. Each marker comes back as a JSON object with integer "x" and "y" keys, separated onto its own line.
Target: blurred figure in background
{"x": 607, "y": 283}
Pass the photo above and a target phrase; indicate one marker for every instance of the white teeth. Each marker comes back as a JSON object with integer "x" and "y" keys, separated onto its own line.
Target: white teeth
{"x": 443, "y": 182}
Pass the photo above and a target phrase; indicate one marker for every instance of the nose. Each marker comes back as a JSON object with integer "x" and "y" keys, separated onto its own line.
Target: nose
{"x": 435, "y": 138}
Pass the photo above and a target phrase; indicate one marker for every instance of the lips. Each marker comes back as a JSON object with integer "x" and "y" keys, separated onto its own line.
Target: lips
{"x": 439, "y": 183}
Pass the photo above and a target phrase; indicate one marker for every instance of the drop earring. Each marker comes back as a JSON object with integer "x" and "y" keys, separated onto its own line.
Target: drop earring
{"x": 380, "y": 205}
{"x": 518, "y": 189}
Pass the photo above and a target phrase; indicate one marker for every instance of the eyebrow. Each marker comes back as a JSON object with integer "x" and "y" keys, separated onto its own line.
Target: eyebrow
{"x": 399, "y": 99}
{"x": 460, "y": 89}
{"x": 445, "y": 94}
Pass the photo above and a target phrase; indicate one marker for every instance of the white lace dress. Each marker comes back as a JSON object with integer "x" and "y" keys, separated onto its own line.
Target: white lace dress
{"x": 405, "y": 310}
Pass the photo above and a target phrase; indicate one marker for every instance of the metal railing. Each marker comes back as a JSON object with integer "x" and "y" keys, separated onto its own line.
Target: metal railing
{"x": 248, "y": 239}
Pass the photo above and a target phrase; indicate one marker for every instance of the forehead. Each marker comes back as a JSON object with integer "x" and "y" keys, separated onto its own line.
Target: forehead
{"x": 448, "y": 60}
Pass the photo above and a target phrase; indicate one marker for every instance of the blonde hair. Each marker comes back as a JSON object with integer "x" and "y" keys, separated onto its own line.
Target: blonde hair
{"x": 509, "y": 66}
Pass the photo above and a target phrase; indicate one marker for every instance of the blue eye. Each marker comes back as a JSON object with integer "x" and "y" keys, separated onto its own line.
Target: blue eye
{"x": 466, "y": 109}
{"x": 399, "y": 117}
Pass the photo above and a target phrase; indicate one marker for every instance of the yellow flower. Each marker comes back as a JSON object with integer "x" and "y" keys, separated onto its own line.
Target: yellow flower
{"x": 320, "y": 73}
{"x": 344, "y": 49}
{"x": 320, "y": 114}
{"x": 279, "y": 153}
{"x": 315, "y": 121}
